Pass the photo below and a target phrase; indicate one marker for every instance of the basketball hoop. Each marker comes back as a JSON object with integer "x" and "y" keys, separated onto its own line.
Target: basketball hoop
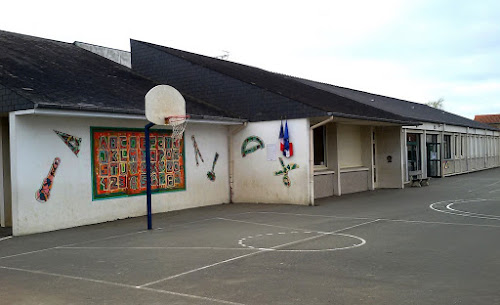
{"x": 178, "y": 124}
{"x": 164, "y": 105}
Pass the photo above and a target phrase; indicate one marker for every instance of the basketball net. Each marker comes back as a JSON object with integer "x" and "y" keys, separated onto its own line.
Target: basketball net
{"x": 178, "y": 124}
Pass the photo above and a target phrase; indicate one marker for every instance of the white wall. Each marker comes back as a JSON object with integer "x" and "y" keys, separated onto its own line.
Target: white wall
{"x": 34, "y": 145}
{"x": 254, "y": 179}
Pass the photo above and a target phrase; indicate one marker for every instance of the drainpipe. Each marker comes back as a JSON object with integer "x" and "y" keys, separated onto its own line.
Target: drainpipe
{"x": 311, "y": 158}
{"x": 230, "y": 135}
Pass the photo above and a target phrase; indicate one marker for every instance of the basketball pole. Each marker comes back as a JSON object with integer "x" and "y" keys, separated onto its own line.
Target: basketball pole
{"x": 148, "y": 174}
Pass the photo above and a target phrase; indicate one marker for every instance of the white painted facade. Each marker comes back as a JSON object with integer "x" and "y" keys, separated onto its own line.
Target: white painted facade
{"x": 34, "y": 145}
{"x": 360, "y": 156}
{"x": 253, "y": 175}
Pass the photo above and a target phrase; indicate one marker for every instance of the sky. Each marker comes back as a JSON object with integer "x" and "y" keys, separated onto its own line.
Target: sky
{"x": 418, "y": 51}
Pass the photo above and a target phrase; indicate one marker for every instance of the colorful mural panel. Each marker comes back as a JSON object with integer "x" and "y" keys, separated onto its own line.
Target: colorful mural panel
{"x": 119, "y": 162}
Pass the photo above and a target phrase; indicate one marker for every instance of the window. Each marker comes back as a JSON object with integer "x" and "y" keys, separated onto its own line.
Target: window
{"x": 319, "y": 137}
{"x": 470, "y": 144}
{"x": 447, "y": 146}
{"x": 456, "y": 146}
{"x": 476, "y": 146}
{"x": 413, "y": 152}
{"x": 475, "y": 152}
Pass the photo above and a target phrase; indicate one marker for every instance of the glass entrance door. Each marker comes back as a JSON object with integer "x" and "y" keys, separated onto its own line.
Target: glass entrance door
{"x": 433, "y": 160}
{"x": 413, "y": 152}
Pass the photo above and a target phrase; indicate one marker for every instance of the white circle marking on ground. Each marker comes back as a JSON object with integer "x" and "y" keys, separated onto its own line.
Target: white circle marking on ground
{"x": 242, "y": 243}
{"x": 446, "y": 207}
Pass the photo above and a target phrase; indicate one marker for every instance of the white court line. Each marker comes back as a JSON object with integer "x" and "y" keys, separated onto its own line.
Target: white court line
{"x": 467, "y": 214}
{"x": 311, "y": 215}
{"x": 68, "y": 245}
{"x": 313, "y": 250}
{"x": 391, "y": 220}
{"x": 121, "y": 285}
{"x": 440, "y": 223}
{"x": 199, "y": 269}
{"x": 5, "y": 238}
{"x": 101, "y": 239}
{"x": 322, "y": 234}
{"x": 243, "y": 256}
{"x": 471, "y": 213}
{"x": 260, "y": 224}
{"x": 151, "y": 248}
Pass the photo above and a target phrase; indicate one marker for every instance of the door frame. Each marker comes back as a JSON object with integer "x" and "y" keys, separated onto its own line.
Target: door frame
{"x": 429, "y": 160}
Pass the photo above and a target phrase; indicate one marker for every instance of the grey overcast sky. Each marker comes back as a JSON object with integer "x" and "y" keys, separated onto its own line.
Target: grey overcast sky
{"x": 414, "y": 50}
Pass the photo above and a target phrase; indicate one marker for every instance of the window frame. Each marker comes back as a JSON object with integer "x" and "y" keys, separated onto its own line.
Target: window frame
{"x": 325, "y": 150}
{"x": 462, "y": 145}
{"x": 447, "y": 153}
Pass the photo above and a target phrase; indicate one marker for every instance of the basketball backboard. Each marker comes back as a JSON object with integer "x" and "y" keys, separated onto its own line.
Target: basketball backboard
{"x": 164, "y": 101}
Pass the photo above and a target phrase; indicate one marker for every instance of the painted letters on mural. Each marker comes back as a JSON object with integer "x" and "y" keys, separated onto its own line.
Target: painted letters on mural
{"x": 43, "y": 194}
{"x": 119, "y": 163}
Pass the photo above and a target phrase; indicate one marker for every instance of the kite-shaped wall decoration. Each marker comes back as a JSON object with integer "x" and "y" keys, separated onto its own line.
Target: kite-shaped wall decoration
{"x": 284, "y": 172}
{"x": 259, "y": 145}
{"x": 71, "y": 141}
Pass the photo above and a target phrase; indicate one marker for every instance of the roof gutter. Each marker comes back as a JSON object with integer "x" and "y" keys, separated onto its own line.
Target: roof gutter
{"x": 112, "y": 115}
{"x": 366, "y": 118}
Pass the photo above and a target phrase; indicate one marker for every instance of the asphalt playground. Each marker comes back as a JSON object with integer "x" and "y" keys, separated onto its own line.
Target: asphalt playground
{"x": 437, "y": 244}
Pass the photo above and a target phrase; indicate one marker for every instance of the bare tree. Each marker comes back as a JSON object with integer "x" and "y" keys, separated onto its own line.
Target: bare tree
{"x": 438, "y": 104}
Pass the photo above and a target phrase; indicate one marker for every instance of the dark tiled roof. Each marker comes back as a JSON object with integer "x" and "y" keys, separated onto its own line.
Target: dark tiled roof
{"x": 45, "y": 73}
{"x": 414, "y": 111}
{"x": 488, "y": 118}
{"x": 272, "y": 85}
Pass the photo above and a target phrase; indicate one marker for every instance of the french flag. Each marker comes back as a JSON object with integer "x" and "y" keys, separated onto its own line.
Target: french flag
{"x": 281, "y": 137}
{"x": 287, "y": 146}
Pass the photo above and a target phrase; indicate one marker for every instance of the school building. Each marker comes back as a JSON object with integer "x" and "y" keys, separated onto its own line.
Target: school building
{"x": 72, "y": 135}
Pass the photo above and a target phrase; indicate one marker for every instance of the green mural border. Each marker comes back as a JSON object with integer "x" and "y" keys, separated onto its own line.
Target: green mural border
{"x": 124, "y": 195}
